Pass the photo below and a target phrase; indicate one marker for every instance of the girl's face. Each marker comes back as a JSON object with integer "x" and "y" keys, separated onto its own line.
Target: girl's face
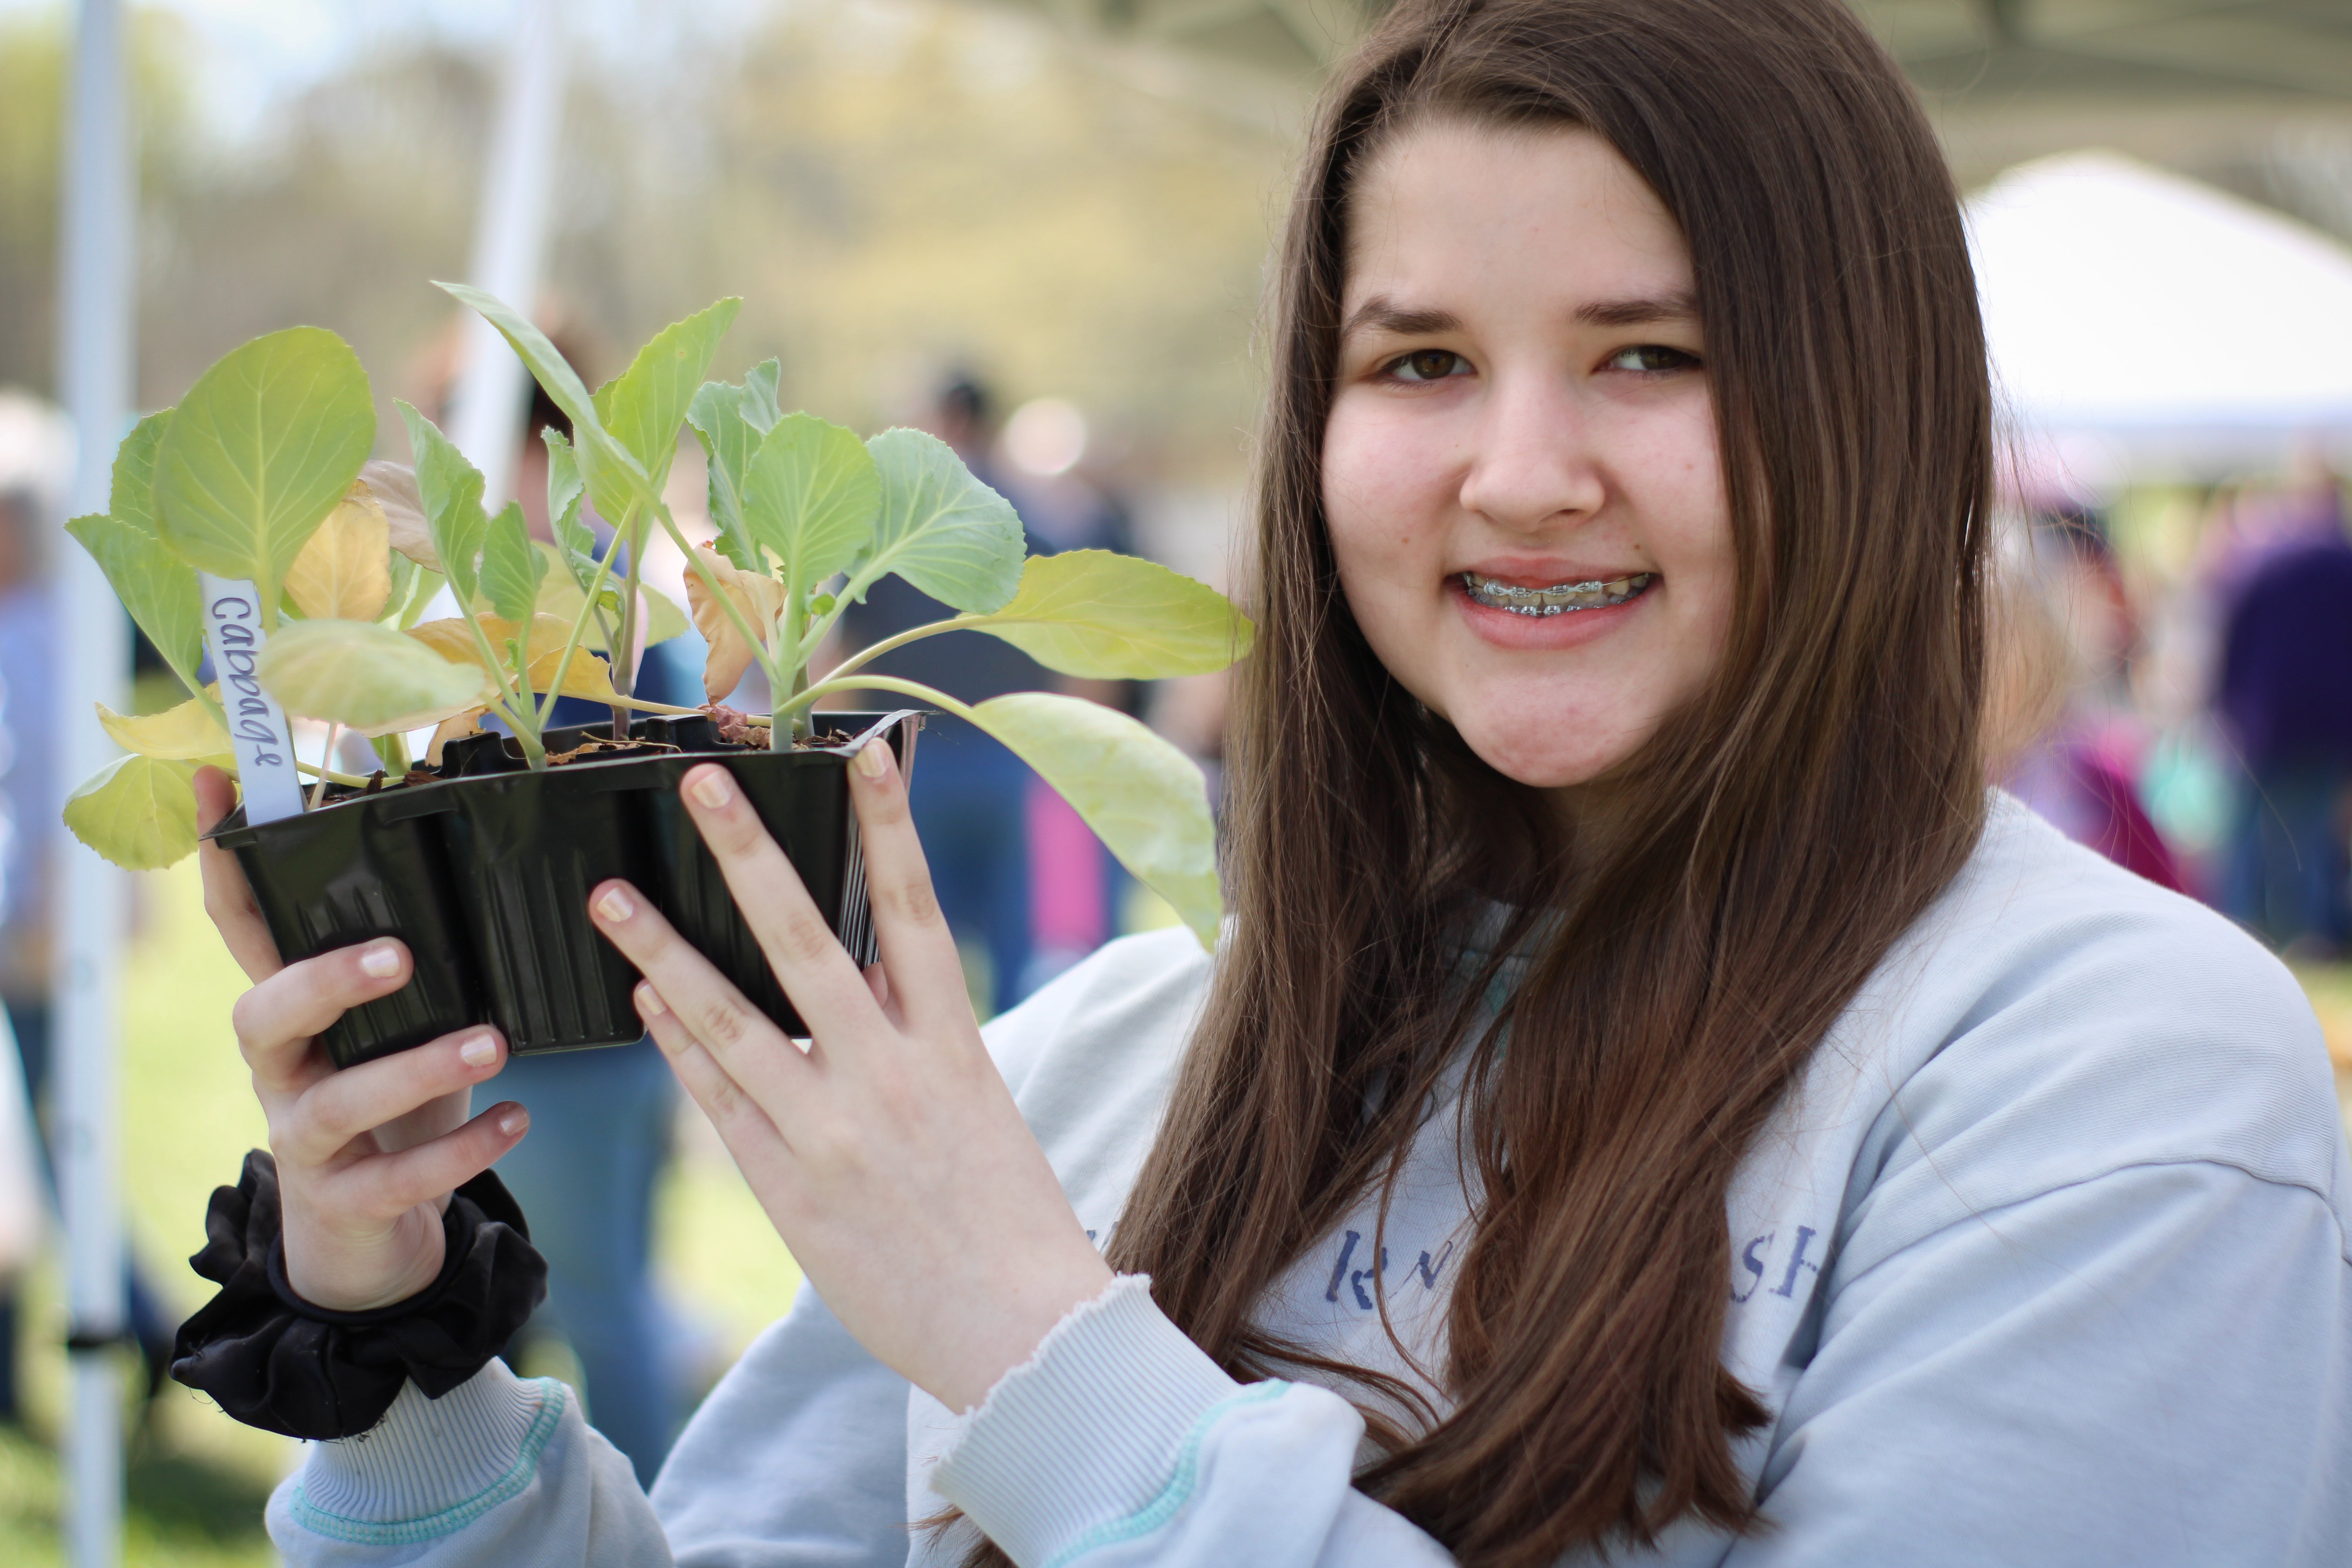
{"x": 1520, "y": 470}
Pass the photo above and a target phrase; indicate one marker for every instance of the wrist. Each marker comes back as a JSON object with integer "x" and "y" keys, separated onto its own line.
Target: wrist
{"x": 1008, "y": 1337}
{"x": 364, "y": 1274}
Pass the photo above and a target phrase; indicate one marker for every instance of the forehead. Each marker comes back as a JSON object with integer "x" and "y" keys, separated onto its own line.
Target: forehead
{"x": 1554, "y": 214}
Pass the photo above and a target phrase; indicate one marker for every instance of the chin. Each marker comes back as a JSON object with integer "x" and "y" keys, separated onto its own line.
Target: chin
{"x": 1546, "y": 756}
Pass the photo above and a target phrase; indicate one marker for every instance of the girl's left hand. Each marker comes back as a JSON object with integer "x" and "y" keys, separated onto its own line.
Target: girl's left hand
{"x": 890, "y": 1156}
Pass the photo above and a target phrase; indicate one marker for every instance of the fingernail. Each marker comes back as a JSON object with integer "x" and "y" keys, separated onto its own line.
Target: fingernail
{"x": 709, "y": 787}
{"x": 382, "y": 959}
{"x": 649, "y": 1001}
{"x": 513, "y": 1120}
{"x": 613, "y": 904}
{"x": 873, "y": 760}
{"x": 478, "y": 1052}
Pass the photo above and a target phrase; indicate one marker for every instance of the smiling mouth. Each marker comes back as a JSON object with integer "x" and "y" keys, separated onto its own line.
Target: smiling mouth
{"x": 1557, "y": 600}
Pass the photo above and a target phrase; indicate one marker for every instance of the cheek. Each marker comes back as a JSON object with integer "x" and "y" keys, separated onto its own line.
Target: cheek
{"x": 1385, "y": 498}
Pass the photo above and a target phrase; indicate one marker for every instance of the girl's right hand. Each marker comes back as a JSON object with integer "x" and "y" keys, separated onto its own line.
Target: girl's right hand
{"x": 367, "y": 1157}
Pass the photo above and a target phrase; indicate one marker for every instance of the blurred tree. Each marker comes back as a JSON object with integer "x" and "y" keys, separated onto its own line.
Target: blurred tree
{"x": 33, "y": 68}
{"x": 890, "y": 188}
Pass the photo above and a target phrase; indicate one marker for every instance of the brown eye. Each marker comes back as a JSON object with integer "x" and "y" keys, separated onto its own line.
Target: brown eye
{"x": 1651, "y": 357}
{"x": 1428, "y": 364}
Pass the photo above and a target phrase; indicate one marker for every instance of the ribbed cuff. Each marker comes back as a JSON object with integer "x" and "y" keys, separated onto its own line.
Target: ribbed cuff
{"x": 1087, "y": 1434}
{"x": 429, "y": 1460}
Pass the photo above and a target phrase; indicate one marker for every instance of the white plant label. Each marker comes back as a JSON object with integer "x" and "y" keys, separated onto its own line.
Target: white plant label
{"x": 256, "y": 724}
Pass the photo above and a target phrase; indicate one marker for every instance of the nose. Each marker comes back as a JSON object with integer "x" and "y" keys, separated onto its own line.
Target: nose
{"x": 1532, "y": 464}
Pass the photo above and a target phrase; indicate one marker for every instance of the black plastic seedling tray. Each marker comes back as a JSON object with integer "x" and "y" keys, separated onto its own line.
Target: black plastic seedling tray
{"x": 485, "y": 874}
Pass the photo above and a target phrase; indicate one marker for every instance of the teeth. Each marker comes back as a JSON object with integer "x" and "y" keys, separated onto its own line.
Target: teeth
{"x": 1557, "y": 600}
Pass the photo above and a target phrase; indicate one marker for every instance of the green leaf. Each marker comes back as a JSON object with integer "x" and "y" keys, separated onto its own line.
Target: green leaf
{"x": 156, "y": 587}
{"x": 759, "y": 402}
{"x": 558, "y": 596}
{"x": 811, "y": 498}
{"x": 258, "y": 453}
{"x": 645, "y": 403}
{"x": 1118, "y": 617}
{"x": 614, "y": 476}
{"x": 132, "y": 497}
{"x": 941, "y": 529}
{"x": 575, "y": 544}
{"x": 1146, "y": 799}
{"x": 510, "y": 567}
{"x": 728, "y": 441}
{"x": 402, "y": 573}
{"x": 449, "y": 488}
{"x": 367, "y": 676}
{"x": 564, "y": 486}
{"x": 138, "y": 812}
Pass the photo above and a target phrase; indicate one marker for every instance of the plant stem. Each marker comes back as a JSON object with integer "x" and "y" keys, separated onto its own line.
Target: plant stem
{"x": 318, "y": 790}
{"x": 860, "y": 660}
{"x": 913, "y": 688}
{"x": 393, "y": 751}
{"x": 621, "y": 667}
{"x": 327, "y": 774}
{"x": 580, "y": 624}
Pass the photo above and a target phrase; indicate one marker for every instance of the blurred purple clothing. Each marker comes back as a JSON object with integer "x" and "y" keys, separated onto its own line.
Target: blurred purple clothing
{"x": 2082, "y": 785}
{"x": 2286, "y": 689}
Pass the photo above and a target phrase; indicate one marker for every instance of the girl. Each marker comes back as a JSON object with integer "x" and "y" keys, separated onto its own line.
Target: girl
{"x": 1650, "y": 1101}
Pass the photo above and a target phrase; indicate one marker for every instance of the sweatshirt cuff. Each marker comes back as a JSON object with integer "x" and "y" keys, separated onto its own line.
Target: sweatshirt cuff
{"x": 430, "y": 1466}
{"x": 1092, "y": 1439}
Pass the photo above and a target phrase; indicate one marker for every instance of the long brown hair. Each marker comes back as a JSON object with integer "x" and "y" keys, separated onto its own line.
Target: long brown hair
{"x": 1778, "y": 837}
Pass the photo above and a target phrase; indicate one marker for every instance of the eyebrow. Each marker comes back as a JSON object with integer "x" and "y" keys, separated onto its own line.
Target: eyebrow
{"x": 1383, "y": 314}
{"x": 1679, "y": 306}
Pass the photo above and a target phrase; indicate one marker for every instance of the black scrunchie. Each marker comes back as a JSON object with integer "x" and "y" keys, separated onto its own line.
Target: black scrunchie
{"x": 276, "y": 1362}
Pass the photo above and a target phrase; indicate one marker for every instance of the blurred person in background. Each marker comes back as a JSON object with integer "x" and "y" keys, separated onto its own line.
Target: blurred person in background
{"x": 32, "y": 836}
{"x": 1011, "y": 860}
{"x": 2284, "y": 694}
{"x": 2065, "y": 738}
{"x": 601, "y": 1126}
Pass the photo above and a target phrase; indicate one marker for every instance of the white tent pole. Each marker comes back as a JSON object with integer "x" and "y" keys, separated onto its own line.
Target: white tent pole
{"x": 510, "y": 242}
{"x": 94, "y": 363}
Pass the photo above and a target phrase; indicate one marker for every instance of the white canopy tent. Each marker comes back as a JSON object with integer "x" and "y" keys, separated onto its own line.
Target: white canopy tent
{"x": 2176, "y": 324}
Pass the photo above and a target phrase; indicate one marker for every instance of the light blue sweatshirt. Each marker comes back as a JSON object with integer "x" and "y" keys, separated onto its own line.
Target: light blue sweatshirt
{"x": 2044, "y": 1261}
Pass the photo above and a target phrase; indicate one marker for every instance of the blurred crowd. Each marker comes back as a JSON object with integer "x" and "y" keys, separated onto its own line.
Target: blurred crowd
{"x": 2177, "y": 692}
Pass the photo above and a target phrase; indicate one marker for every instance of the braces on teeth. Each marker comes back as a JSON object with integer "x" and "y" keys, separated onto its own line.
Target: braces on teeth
{"x": 1557, "y": 600}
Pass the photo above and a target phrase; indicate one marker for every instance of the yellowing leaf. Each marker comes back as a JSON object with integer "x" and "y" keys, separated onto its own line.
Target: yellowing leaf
{"x": 343, "y": 573}
{"x": 365, "y": 674}
{"x": 392, "y": 486}
{"x": 1146, "y": 799}
{"x": 189, "y": 733}
{"x": 761, "y": 599}
{"x": 138, "y": 812}
{"x": 588, "y": 674}
{"x": 1118, "y": 617}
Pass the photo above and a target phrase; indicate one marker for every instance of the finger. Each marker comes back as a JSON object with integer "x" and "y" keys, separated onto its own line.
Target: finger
{"x": 388, "y": 1185}
{"x": 342, "y": 1106}
{"x": 812, "y": 965}
{"x": 755, "y": 1053}
{"x": 228, "y": 898}
{"x": 918, "y": 948}
{"x": 751, "y": 1135}
{"x": 275, "y": 1021}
